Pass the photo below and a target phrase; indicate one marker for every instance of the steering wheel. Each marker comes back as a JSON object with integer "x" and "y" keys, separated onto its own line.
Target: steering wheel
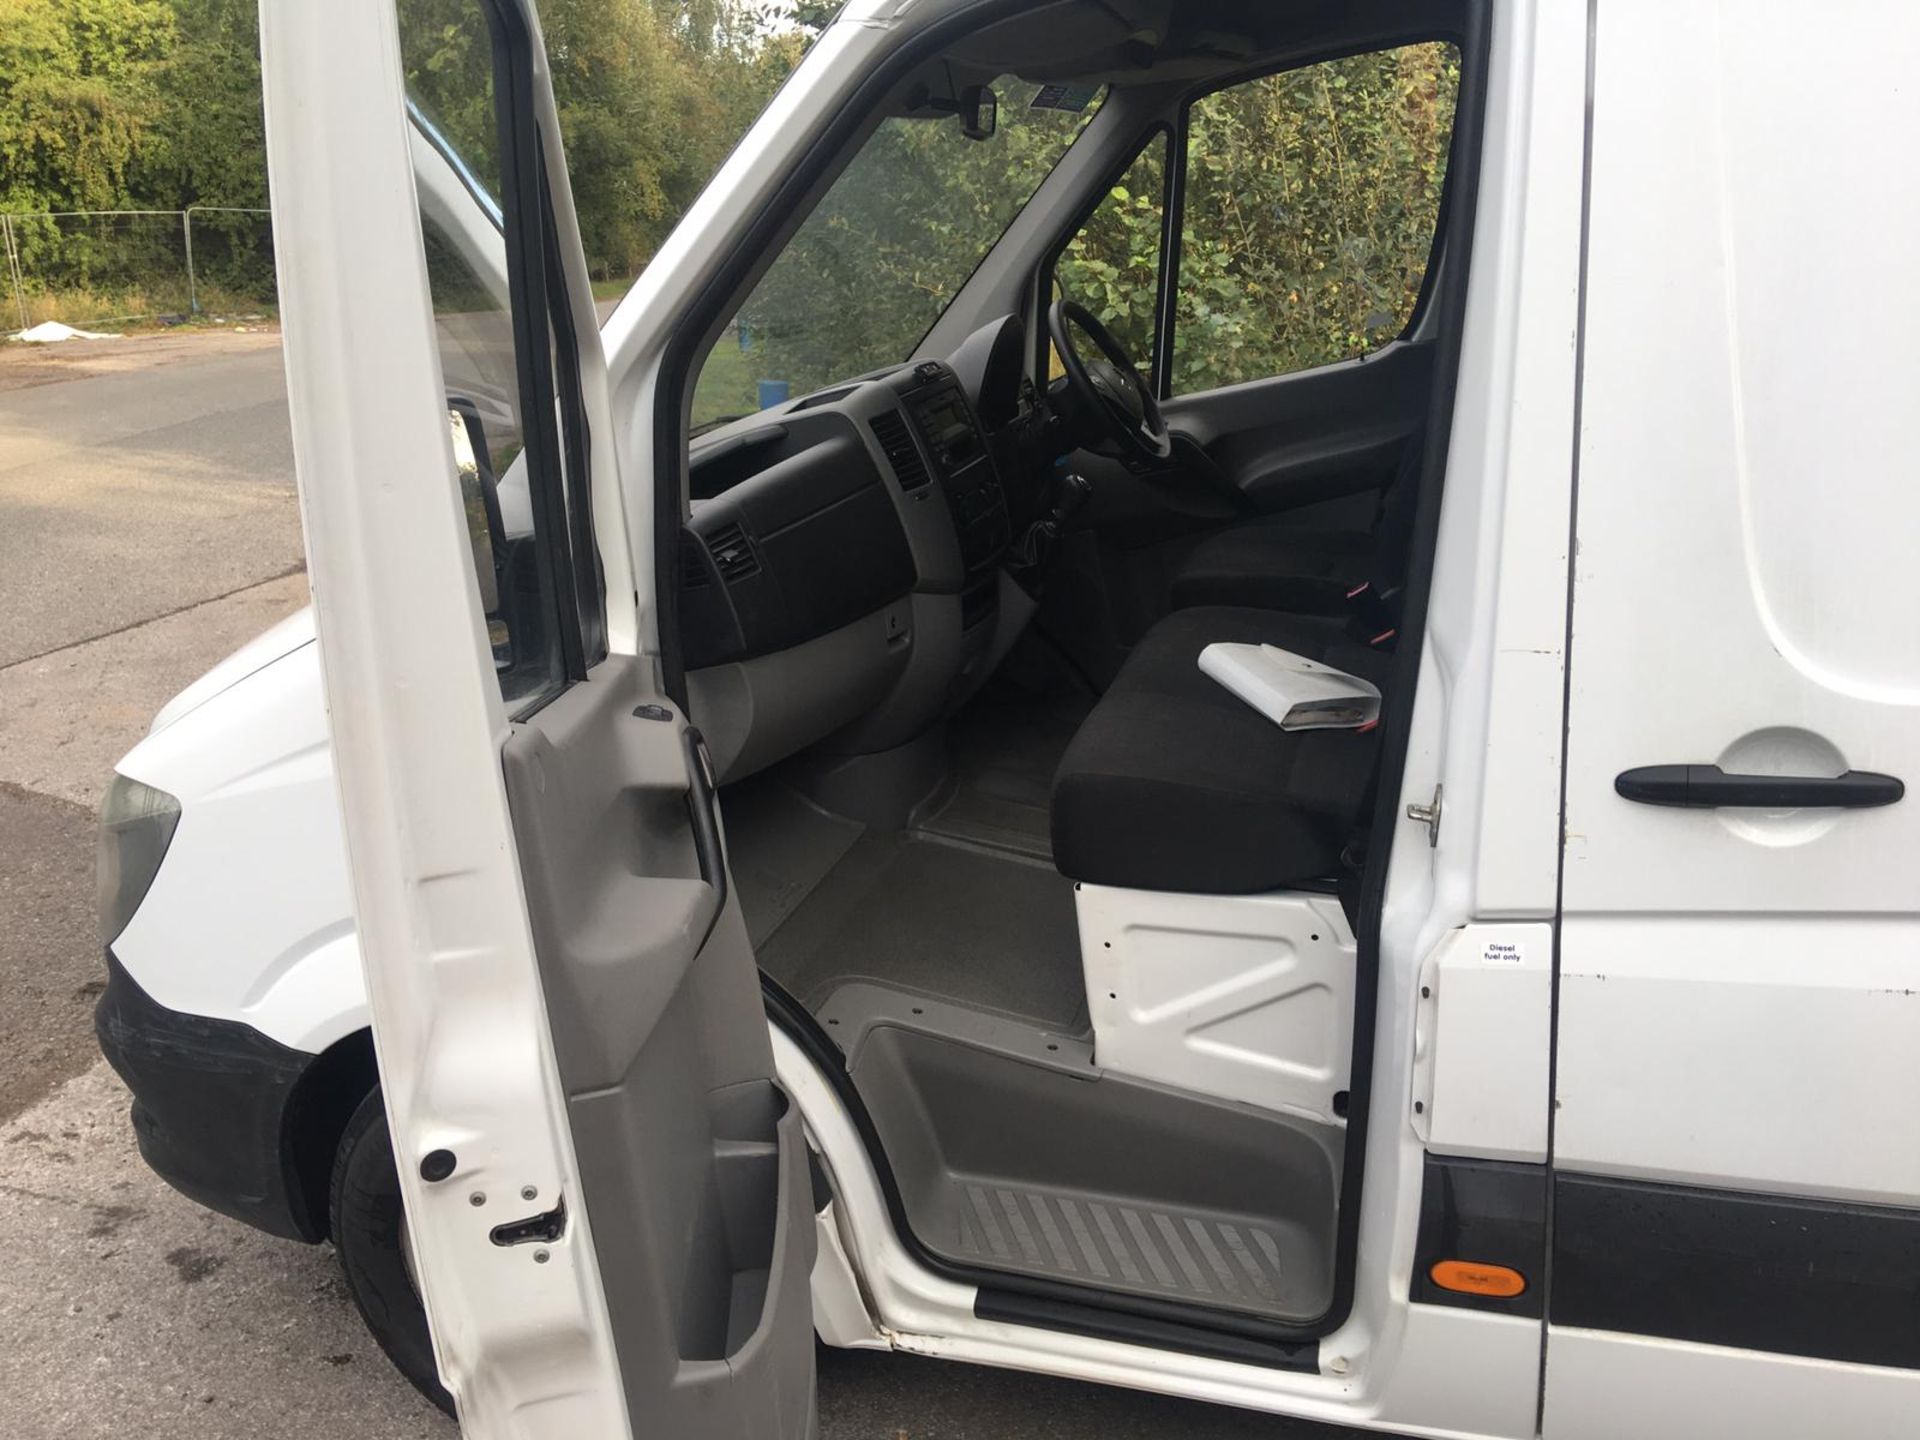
{"x": 1107, "y": 389}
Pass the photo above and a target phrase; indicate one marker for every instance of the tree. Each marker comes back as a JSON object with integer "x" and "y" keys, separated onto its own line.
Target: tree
{"x": 651, "y": 95}
{"x": 1312, "y": 195}
{"x": 206, "y": 143}
{"x": 77, "y": 98}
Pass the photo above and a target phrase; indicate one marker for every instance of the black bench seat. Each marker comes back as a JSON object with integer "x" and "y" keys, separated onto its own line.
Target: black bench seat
{"x": 1173, "y": 783}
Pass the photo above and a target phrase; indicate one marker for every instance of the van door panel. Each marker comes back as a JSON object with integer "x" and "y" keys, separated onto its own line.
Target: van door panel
{"x": 687, "y": 1147}
{"x": 607, "y": 1194}
{"x": 1739, "y": 1001}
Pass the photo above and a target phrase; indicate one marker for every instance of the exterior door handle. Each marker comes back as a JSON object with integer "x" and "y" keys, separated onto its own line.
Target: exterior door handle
{"x": 1708, "y": 787}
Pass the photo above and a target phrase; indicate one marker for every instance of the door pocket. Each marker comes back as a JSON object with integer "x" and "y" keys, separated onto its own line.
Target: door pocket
{"x": 752, "y": 1138}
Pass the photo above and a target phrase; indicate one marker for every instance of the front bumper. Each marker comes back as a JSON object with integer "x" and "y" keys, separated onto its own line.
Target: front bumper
{"x": 210, "y": 1106}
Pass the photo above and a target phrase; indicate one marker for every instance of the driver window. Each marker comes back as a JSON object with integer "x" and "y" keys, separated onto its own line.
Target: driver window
{"x": 1113, "y": 265}
{"x": 1312, "y": 199}
{"x": 453, "y": 134}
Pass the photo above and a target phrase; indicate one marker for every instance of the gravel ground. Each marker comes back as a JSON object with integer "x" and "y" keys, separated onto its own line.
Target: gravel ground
{"x": 49, "y": 961}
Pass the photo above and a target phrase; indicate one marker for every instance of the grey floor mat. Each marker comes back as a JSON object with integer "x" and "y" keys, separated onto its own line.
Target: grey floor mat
{"x": 962, "y": 924}
{"x": 1006, "y": 746}
{"x": 780, "y": 846}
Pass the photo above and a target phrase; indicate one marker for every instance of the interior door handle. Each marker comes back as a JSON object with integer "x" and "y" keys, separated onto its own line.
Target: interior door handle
{"x": 703, "y": 808}
{"x": 1708, "y": 787}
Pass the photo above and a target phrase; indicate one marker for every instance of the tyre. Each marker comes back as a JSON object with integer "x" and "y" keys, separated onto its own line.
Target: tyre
{"x": 369, "y": 1235}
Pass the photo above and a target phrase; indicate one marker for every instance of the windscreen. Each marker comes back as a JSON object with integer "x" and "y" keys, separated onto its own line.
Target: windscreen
{"x": 900, "y": 231}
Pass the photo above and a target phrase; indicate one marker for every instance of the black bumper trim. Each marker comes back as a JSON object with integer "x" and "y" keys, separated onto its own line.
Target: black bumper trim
{"x": 210, "y": 1104}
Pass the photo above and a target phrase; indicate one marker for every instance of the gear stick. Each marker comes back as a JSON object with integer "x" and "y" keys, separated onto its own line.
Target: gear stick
{"x": 1070, "y": 496}
{"x": 1069, "y": 499}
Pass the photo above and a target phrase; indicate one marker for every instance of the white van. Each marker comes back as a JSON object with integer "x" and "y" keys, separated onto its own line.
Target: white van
{"x": 825, "y": 855}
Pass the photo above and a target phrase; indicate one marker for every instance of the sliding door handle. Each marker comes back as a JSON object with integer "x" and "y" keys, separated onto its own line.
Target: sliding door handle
{"x": 1708, "y": 787}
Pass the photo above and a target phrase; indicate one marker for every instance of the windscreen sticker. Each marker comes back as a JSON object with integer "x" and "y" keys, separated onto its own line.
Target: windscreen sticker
{"x": 1064, "y": 97}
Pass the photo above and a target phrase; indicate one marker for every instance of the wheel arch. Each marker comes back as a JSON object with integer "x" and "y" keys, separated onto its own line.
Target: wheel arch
{"x": 323, "y": 1100}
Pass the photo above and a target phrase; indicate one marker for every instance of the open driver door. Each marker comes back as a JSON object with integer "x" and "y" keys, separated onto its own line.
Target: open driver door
{"x": 607, "y": 1193}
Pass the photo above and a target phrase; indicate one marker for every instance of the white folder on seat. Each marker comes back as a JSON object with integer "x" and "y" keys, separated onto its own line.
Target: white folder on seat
{"x": 1292, "y": 691}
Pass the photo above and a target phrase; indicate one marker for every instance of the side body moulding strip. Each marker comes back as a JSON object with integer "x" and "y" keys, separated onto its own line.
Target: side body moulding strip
{"x": 1795, "y": 1276}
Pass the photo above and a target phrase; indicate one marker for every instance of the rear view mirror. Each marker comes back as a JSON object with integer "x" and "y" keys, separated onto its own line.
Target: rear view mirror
{"x": 979, "y": 112}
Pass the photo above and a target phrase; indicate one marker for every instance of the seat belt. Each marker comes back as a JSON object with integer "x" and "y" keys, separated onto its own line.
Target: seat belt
{"x": 1374, "y": 604}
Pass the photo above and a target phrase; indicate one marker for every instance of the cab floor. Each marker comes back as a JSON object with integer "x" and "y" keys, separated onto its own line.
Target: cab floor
{"x": 964, "y": 904}
{"x": 965, "y": 924}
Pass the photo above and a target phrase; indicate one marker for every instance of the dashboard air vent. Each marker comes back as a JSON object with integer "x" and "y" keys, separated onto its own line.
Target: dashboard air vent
{"x": 733, "y": 554}
{"x": 694, "y": 574}
{"x": 897, "y": 441}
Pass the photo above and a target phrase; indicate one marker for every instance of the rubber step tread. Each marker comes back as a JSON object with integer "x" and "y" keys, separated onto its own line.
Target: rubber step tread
{"x": 1227, "y": 1262}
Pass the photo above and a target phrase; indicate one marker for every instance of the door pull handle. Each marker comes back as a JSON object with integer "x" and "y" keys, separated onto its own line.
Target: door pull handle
{"x": 1708, "y": 787}
{"x": 703, "y": 808}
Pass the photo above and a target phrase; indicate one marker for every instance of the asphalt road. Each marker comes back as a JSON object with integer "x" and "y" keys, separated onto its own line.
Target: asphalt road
{"x": 147, "y": 527}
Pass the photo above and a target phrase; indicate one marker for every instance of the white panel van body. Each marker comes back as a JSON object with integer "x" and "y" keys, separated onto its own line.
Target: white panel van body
{"x": 744, "y": 846}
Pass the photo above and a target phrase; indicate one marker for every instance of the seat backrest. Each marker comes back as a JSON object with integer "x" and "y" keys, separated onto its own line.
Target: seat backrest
{"x": 1379, "y": 601}
{"x": 1394, "y": 534}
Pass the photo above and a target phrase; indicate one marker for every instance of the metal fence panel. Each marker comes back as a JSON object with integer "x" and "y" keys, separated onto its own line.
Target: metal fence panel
{"x": 114, "y": 266}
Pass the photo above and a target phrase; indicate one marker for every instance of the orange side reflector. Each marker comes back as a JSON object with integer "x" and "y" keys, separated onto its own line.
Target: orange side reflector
{"x": 1474, "y": 1279}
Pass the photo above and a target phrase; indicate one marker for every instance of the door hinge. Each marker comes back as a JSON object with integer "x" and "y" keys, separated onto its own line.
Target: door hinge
{"x": 1428, "y": 815}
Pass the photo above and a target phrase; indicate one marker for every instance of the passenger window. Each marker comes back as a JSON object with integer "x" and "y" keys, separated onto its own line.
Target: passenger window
{"x": 1312, "y": 200}
{"x": 1113, "y": 265}
{"x": 453, "y": 131}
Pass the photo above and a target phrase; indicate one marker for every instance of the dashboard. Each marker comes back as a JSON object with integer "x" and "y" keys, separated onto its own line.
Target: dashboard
{"x": 943, "y": 420}
{"x": 842, "y": 568}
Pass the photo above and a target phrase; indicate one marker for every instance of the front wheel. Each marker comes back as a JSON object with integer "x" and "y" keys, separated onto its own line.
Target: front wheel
{"x": 370, "y": 1236}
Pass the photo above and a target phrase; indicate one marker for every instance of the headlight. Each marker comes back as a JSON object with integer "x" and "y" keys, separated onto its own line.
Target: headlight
{"x": 136, "y": 825}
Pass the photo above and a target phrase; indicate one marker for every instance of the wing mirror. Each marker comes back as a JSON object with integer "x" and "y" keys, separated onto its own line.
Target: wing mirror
{"x": 480, "y": 497}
